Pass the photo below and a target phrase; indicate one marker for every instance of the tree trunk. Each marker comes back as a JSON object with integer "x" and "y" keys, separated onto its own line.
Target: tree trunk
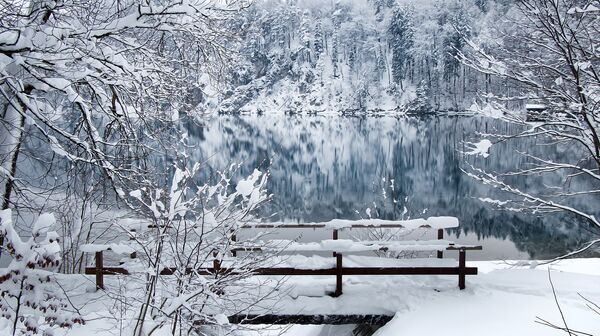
{"x": 13, "y": 140}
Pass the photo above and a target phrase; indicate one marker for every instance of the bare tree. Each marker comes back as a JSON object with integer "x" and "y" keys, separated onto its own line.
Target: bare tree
{"x": 98, "y": 84}
{"x": 92, "y": 92}
{"x": 552, "y": 61}
{"x": 185, "y": 230}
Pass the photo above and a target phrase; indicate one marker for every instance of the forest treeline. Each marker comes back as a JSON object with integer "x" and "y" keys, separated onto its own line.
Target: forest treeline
{"x": 355, "y": 56}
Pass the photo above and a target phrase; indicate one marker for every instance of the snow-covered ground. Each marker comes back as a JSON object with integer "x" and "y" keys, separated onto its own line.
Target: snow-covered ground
{"x": 504, "y": 299}
{"x": 507, "y": 300}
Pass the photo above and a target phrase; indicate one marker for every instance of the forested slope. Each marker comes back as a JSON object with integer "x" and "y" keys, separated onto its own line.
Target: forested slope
{"x": 355, "y": 56}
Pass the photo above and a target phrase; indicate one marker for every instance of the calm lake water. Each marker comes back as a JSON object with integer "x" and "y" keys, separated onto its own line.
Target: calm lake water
{"x": 324, "y": 167}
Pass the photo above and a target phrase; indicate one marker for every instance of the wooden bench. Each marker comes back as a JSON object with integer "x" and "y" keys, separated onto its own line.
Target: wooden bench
{"x": 339, "y": 248}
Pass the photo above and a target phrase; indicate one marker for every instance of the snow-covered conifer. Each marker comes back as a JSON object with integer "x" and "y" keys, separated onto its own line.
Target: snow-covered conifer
{"x": 31, "y": 301}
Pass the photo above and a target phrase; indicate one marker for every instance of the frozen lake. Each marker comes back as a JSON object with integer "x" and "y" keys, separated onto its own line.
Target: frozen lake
{"x": 325, "y": 167}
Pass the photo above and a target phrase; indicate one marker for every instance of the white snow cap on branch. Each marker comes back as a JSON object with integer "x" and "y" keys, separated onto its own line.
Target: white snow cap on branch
{"x": 588, "y": 9}
{"x": 480, "y": 148}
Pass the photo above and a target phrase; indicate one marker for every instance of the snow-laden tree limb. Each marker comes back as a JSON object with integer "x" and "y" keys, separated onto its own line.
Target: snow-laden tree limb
{"x": 102, "y": 80}
{"x": 552, "y": 61}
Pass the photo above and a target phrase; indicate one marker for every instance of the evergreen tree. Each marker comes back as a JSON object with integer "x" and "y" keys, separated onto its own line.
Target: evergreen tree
{"x": 401, "y": 32}
{"x": 482, "y": 5}
{"x": 334, "y": 56}
{"x": 421, "y": 102}
{"x": 306, "y": 38}
{"x": 457, "y": 30}
{"x": 318, "y": 39}
{"x": 379, "y": 64}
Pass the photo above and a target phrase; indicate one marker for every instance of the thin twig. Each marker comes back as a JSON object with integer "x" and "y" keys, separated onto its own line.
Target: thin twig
{"x": 558, "y": 304}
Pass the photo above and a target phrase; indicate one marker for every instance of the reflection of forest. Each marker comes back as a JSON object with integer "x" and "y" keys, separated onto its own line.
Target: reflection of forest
{"x": 323, "y": 168}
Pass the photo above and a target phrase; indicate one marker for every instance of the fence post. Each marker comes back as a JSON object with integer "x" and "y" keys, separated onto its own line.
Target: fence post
{"x": 132, "y": 234}
{"x": 233, "y": 240}
{"x": 335, "y": 237}
{"x": 216, "y": 263}
{"x": 440, "y": 235}
{"x": 99, "y": 271}
{"x": 338, "y": 275}
{"x": 461, "y": 268}
{"x": 217, "y": 268}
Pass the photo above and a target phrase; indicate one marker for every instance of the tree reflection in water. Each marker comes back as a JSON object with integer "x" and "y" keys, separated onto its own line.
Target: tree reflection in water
{"x": 336, "y": 167}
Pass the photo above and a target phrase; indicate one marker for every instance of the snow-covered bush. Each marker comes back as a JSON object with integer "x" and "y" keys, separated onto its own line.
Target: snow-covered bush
{"x": 31, "y": 302}
{"x": 190, "y": 227}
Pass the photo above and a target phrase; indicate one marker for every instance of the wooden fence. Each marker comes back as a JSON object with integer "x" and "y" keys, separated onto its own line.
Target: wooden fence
{"x": 339, "y": 271}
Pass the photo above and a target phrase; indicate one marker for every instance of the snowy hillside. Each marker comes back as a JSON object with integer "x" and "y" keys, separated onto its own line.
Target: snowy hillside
{"x": 352, "y": 56}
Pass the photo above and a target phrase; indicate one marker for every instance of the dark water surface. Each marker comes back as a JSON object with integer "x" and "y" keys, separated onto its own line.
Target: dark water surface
{"x": 338, "y": 167}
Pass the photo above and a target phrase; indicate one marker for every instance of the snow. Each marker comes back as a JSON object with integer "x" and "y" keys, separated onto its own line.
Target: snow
{"x": 347, "y": 245}
{"x": 504, "y": 299}
{"x": 318, "y": 262}
{"x": 439, "y": 222}
{"x": 486, "y": 110}
{"x": 535, "y": 106}
{"x": 582, "y": 65}
{"x": 56, "y": 147}
{"x": 5, "y": 216}
{"x": 221, "y": 319}
{"x": 44, "y": 223}
{"x": 480, "y": 148}
{"x": 136, "y": 194}
{"x": 246, "y": 187}
{"x": 442, "y": 222}
{"x": 493, "y": 201}
{"x": 116, "y": 248}
{"x": 588, "y": 9}
{"x": 59, "y": 83}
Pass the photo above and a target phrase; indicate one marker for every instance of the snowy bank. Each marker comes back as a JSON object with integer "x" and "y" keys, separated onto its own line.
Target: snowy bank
{"x": 508, "y": 300}
{"x": 502, "y": 300}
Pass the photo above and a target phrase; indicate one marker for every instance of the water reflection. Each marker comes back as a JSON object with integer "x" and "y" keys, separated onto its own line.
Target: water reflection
{"x": 333, "y": 167}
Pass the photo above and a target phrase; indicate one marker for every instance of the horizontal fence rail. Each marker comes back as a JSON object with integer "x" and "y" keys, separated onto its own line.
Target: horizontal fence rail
{"x": 290, "y": 271}
{"x": 310, "y": 319}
